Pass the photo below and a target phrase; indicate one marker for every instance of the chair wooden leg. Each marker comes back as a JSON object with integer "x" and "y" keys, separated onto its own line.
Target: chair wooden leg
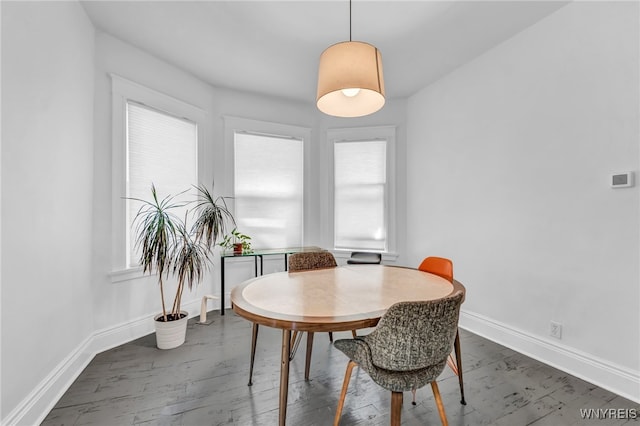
{"x": 456, "y": 347}
{"x": 296, "y": 338}
{"x": 343, "y": 393}
{"x": 331, "y": 337}
{"x": 451, "y": 362}
{"x": 396, "y": 408}
{"x": 436, "y": 395}
{"x": 307, "y": 361}
{"x": 254, "y": 339}
{"x": 353, "y": 333}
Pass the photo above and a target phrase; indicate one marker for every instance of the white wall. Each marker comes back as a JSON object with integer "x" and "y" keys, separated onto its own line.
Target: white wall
{"x": 509, "y": 161}
{"x": 47, "y": 174}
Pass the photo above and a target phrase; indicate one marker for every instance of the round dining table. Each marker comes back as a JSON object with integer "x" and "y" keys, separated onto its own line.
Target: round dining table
{"x": 330, "y": 299}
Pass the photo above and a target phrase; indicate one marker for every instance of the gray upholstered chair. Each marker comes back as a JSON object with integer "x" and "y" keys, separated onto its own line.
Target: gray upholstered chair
{"x": 408, "y": 349}
{"x": 307, "y": 260}
{"x": 298, "y": 262}
{"x": 313, "y": 260}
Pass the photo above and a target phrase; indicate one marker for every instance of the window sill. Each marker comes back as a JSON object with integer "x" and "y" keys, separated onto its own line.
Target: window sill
{"x": 126, "y": 274}
{"x": 346, "y": 254}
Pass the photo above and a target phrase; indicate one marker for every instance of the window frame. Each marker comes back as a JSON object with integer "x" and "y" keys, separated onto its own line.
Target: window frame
{"x": 124, "y": 91}
{"x": 233, "y": 124}
{"x": 366, "y": 134}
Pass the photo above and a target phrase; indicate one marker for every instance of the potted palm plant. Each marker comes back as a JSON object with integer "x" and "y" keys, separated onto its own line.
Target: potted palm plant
{"x": 167, "y": 246}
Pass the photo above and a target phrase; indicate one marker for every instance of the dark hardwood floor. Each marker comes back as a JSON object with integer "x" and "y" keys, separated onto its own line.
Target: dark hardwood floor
{"x": 204, "y": 382}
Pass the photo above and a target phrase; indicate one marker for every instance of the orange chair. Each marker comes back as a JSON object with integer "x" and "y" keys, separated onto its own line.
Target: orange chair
{"x": 438, "y": 266}
{"x": 444, "y": 268}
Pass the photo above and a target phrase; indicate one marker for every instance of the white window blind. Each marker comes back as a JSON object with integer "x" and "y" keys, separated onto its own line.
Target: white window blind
{"x": 360, "y": 183}
{"x": 161, "y": 149}
{"x": 269, "y": 182}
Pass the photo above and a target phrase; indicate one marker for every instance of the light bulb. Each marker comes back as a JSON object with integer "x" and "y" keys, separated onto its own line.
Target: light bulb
{"x": 350, "y": 93}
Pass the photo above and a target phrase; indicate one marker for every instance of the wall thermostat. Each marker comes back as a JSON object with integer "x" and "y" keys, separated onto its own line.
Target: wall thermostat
{"x": 622, "y": 180}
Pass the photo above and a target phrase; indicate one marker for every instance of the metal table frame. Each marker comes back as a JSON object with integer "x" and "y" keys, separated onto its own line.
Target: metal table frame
{"x": 260, "y": 253}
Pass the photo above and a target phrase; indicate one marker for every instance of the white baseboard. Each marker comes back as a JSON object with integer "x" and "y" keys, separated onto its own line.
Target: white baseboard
{"x": 35, "y": 407}
{"x": 615, "y": 378}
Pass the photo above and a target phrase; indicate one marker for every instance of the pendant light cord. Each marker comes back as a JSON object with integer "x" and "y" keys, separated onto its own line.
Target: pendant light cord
{"x": 350, "y": 20}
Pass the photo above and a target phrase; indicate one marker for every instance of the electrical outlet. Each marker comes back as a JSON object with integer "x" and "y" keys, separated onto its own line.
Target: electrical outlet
{"x": 555, "y": 330}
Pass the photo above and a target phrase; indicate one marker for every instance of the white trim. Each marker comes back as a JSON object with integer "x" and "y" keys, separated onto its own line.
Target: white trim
{"x": 618, "y": 379}
{"x": 126, "y": 274}
{"x": 122, "y": 91}
{"x": 34, "y": 408}
{"x": 346, "y": 254}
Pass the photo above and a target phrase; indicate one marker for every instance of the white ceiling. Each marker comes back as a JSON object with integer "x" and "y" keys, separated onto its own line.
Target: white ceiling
{"x": 273, "y": 47}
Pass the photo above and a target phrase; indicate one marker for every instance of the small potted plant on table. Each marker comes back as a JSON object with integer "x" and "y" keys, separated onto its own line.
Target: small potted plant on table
{"x": 236, "y": 241}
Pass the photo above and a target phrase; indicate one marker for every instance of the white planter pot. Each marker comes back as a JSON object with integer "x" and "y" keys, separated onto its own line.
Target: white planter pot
{"x": 171, "y": 334}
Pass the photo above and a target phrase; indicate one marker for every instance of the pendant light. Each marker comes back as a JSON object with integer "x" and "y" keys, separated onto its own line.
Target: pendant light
{"x": 350, "y": 82}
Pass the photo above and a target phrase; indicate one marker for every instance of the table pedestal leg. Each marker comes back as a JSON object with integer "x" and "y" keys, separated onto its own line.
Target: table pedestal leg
{"x": 307, "y": 361}
{"x": 254, "y": 340}
{"x": 284, "y": 375}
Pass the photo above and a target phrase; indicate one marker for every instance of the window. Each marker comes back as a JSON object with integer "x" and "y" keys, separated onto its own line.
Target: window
{"x": 360, "y": 178}
{"x": 268, "y": 177}
{"x": 161, "y": 150}
{"x": 268, "y": 180}
{"x": 363, "y": 200}
{"x": 156, "y": 139}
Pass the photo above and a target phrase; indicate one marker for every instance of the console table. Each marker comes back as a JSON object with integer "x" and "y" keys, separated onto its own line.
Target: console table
{"x": 259, "y": 253}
